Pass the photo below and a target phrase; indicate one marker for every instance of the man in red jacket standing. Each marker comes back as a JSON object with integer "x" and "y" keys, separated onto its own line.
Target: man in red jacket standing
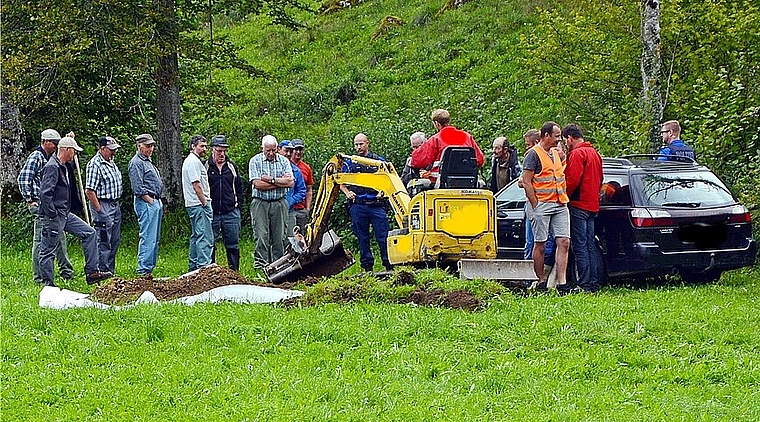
{"x": 429, "y": 153}
{"x": 584, "y": 180}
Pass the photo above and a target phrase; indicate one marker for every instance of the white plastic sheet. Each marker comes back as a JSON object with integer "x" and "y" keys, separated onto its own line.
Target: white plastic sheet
{"x": 56, "y": 298}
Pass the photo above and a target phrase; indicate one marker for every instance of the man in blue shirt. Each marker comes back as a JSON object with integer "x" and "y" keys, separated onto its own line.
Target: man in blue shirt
{"x": 367, "y": 207}
{"x": 147, "y": 188}
{"x": 672, "y": 143}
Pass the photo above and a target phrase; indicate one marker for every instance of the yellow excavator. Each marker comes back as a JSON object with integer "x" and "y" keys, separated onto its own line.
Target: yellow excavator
{"x": 436, "y": 226}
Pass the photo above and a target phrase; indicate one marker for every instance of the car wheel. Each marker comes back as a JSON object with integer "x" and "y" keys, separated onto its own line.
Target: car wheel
{"x": 701, "y": 276}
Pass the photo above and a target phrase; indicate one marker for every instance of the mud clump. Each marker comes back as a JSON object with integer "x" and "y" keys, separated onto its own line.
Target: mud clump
{"x": 457, "y": 299}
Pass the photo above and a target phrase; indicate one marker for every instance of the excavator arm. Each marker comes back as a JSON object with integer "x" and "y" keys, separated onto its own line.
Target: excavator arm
{"x": 321, "y": 253}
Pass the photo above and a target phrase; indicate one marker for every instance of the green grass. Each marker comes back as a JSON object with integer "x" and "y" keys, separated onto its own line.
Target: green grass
{"x": 668, "y": 353}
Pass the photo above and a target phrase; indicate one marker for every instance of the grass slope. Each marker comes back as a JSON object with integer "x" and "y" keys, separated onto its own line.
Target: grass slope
{"x": 328, "y": 82}
{"x": 668, "y": 353}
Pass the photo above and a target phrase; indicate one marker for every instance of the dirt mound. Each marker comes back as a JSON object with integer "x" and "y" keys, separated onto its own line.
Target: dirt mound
{"x": 120, "y": 291}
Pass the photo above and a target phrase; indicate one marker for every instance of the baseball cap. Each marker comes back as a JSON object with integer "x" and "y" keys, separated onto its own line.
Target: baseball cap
{"x": 50, "y": 135}
{"x": 67, "y": 142}
{"x": 107, "y": 141}
{"x": 298, "y": 143}
{"x": 286, "y": 144}
{"x": 219, "y": 141}
{"x": 145, "y": 138}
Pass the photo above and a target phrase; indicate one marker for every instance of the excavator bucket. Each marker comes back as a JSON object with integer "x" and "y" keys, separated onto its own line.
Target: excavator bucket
{"x": 298, "y": 263}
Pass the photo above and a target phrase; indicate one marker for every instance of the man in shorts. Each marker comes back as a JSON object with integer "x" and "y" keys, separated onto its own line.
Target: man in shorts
{"x": 545, "y": 188}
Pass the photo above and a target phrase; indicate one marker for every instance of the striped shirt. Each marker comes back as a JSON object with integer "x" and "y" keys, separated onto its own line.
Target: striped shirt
{"x": 279, "y": 167}
{"x": 104, "y": 177}
{"x": 31, "y": 174}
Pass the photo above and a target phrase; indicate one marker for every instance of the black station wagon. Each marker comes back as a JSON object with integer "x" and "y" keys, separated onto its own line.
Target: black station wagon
{"x": 655, "y": 218}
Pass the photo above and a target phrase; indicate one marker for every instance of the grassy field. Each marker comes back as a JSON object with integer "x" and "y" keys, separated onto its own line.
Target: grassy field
{"x": 672, "y": 352}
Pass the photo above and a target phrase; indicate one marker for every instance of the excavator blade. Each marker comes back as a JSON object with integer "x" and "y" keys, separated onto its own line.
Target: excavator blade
{"x": 330, "y": 259}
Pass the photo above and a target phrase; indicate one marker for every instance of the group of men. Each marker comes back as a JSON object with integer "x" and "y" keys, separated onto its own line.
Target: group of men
{"x": 562, "y": 191}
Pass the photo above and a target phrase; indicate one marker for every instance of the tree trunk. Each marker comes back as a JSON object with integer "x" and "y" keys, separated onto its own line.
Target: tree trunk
{"x": 13, "y": 151}
{"x": 168, "y": 106}
{"x": 651, "y": 70}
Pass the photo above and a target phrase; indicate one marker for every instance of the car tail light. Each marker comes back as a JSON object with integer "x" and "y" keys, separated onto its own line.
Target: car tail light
{"x": 740, "y": 214}
{"x": 641, "y": 217}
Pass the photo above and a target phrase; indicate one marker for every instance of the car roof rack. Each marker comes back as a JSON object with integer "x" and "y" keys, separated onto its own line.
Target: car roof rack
{"x": 653, "y": 160}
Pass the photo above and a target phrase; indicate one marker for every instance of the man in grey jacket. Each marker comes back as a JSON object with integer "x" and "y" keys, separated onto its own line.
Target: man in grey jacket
{"x": 29, "y": 184}
{"x": 57, "y": 218}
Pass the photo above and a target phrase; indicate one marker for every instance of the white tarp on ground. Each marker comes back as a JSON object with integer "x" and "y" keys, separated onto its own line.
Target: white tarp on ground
{"x": 56, "y": 298}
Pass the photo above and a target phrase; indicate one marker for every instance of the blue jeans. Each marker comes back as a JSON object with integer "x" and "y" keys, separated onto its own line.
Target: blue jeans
{"x": 361, "y": 218}
{"x": 149, "y": 218}
{"x": 584, "y": 248}
{"x": 202, "y": 236}
{"x": 228, "y": 226}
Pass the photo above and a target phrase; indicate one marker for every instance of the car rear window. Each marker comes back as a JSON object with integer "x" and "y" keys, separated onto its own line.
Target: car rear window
{"x": 682, "y": 190}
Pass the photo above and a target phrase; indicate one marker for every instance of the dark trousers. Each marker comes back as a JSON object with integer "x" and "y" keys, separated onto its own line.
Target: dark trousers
{"x": 361, "y": 218}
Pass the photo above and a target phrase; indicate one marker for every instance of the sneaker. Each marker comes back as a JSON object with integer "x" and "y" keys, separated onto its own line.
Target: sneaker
{"x": 367, "y": 268}
{"x": 388, "y": 267}
{"x": 98, "y": 276}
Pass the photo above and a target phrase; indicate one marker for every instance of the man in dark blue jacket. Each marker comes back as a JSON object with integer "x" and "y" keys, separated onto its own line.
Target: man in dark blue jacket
{"x": 226, "y": 199}
{"x": 673, "y": 145}
{"x": 367, "y": 207}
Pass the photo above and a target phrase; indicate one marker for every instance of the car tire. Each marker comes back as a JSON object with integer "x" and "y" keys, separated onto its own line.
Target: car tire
{"x": 699, "y": 277}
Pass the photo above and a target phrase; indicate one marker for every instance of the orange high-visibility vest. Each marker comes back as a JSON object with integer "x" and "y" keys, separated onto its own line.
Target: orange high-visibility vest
{"x": 550, "y": 185}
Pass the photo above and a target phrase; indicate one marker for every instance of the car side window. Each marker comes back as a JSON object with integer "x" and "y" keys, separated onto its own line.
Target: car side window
{"x": 511, "y": 196}
{"x": 615, "y": 191}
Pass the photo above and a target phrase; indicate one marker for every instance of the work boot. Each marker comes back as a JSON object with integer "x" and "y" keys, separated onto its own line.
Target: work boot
{"x": 98, "y": 276}
{"x": 233, "y": 259}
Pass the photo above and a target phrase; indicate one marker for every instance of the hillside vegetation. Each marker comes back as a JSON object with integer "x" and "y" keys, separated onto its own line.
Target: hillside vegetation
{"x": 500, "y": 67}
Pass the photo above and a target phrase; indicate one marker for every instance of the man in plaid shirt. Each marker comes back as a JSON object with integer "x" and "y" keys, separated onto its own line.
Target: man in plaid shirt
{"x": 104, "y": 188}
{"x": 29, "y": 185}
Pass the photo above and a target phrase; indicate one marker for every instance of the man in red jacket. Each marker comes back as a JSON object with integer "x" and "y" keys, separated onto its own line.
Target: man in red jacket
{"x": 584, "y": 180}
{"x": 430, "y": 152}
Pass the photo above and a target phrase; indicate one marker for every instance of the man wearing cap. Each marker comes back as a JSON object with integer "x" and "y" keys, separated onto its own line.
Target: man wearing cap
{"x": 29, "y": 184}
{"x": 103, "y": 188}
{"x": 504, "y": 167}
{"x": 295, "y": 194}
{"x": 57, "y": 218}
{"x": 302, "y": 208}
{"x": 197, "y": 194}
{"x": 226, "y": 200}
{"x": 271, "y": 177}
{"x": 147, "y": 188}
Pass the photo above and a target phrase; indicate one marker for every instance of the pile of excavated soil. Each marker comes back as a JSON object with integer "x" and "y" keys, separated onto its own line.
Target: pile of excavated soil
{"x": 120, "y": 291}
